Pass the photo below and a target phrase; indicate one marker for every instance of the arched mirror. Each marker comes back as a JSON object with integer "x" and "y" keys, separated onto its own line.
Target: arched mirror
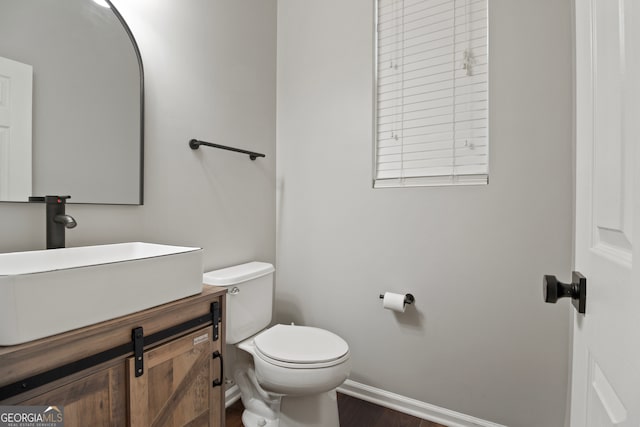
{"x": 71, "y": 103}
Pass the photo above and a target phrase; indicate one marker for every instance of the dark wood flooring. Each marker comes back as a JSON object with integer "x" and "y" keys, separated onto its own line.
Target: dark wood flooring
{"x": 234, "y": 415}
{"x": 353, "y": 413}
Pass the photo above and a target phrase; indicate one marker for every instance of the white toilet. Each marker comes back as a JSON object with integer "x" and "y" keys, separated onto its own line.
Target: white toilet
{"x": 288, "y": 374}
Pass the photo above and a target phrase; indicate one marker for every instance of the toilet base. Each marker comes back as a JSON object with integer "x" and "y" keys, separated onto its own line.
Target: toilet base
{"x": 250, "y": 419}
{"x": 317, "y": 410}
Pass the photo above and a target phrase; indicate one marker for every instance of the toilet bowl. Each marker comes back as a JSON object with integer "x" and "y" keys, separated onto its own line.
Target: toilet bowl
{"x": 298, "y": 360}
{"x": 287, "y": 374}
{"x": 302, "y": 366}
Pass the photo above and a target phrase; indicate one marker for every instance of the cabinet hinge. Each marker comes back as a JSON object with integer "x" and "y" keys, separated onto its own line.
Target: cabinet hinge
{"x": 216, "y": 316}
{"x": 137, "y": 335}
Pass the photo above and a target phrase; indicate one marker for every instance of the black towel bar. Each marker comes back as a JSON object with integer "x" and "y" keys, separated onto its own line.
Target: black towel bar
{"x": 195, "y": 144}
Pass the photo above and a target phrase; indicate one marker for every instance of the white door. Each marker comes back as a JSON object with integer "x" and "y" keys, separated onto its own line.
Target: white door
{"x": 16, "y": 82}
{"x": 606, "y": 352}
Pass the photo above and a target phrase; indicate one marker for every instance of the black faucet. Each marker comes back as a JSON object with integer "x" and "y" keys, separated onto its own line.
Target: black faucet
{"x": 57, "y": 220}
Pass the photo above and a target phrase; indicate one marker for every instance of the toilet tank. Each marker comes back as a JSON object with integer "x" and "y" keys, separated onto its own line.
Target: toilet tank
{"x": 249, "y": 297}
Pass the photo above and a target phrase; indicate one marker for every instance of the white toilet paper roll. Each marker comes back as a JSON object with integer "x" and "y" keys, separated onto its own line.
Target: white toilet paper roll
{"x": 394, "y": 302}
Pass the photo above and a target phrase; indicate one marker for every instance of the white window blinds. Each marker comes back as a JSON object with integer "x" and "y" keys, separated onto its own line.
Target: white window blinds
{"x": 432, "y": 93}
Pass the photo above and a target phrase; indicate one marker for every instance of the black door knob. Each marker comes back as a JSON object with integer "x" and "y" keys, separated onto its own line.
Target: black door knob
{"x": 553, "y": 290}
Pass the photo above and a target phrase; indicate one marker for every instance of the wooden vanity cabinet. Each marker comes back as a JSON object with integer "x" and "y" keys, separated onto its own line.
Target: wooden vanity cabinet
{"x": 181, "y": 382}
{"x": 95, "y": 400}
{"x": 177, "y": 387}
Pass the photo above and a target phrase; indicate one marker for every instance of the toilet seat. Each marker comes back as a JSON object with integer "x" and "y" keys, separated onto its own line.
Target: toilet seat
{"x": 301, "y": 347}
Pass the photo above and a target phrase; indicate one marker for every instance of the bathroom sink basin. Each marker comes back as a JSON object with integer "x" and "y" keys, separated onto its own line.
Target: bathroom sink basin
{"x": 44, "y": 293}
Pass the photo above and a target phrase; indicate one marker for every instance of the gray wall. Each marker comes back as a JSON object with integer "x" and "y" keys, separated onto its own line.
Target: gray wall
{"x": 480, "y": 340}
{"x": 210, "y": 74}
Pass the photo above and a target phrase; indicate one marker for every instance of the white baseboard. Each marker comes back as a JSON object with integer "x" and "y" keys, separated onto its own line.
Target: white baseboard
{"x": 231, "y": 395}
{"x": 413, "y": 407}
{"x": 393, "y": 401}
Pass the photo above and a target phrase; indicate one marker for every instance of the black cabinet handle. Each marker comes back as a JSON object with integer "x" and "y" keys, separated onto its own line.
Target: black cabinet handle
{"x": 218, "y": 382}
{"x": 553, "y": 290}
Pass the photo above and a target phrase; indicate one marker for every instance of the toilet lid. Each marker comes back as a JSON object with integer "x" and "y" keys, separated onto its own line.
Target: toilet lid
{"x": 300, "y": 344}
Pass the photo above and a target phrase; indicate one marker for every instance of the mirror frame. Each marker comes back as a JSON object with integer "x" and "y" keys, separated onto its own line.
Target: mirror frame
{"x": 136, "y": 49}
{"x": 141, "y": 68}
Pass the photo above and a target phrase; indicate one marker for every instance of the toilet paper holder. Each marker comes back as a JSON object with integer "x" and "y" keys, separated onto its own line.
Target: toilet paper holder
{"x": 408, "y": 298}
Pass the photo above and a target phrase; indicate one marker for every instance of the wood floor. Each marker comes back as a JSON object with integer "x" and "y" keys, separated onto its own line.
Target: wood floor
{"x": 353, "y": 413}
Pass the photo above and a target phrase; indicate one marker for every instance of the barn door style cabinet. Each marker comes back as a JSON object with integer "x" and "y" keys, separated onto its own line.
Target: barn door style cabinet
{"x": 158, "y": 367}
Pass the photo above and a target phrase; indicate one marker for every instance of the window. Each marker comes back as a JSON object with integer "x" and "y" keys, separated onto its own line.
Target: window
{"x": 432, "y": 93}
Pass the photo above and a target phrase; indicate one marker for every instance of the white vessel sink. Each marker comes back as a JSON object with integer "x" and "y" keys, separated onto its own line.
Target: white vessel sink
{"x": 44, "y": 293}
